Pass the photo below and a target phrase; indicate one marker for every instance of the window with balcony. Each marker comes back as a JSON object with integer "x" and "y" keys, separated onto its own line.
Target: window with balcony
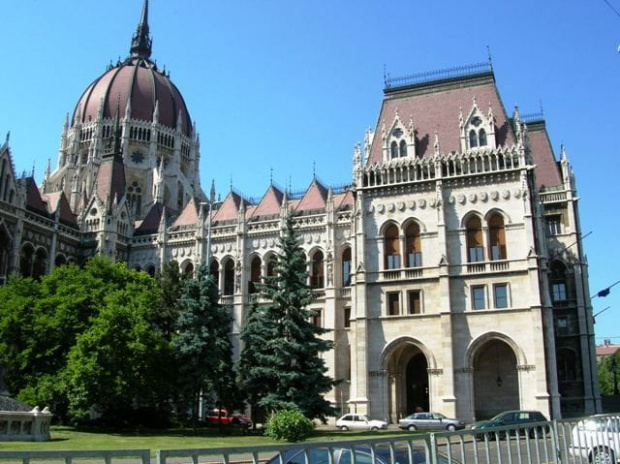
{"x": 497, "y": 237}
{"x": 255, "y": 274}
{"x": 346, "y": 267}
{"x": 392, "y": 248}
{"x": 317, "y": 271}
{"x": 413, "y": 247}
{"x": 475, "y": 247}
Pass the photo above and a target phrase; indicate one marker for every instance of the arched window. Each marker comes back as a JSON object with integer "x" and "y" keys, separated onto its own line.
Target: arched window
{"x": 392, "y": 248}
{"x": 393, "y": 150}
{"x": 482, "y": 138}
{"x": 255, "y": 273}
{"x": 403, "y": 148}
{"x": 473, "y": 139}
{"x": 346, "y": 267}
{"x": 475, "y": 250}
{"x": 272, "y": 261}
{"x": 26, "y": 260}
{"x": 559, "y": 290}
{"x": 229, "y": 277}
{"x": 188, "y": 272}
{"x": 214, "y": 271}
{"x": 413, "y": 247}
{"x": 317, "y": 272}
{"x": 60, "y": 261}
{"x": 4, "y": 254}
{"x": 150, "y": 270}
{"x": 497, "y": 238}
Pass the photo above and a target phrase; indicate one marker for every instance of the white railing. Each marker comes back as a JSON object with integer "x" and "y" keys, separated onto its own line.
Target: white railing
{"x": 105, "y": 456}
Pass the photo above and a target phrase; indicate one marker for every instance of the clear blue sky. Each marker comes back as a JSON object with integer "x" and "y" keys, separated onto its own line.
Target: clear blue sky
{"x": 286, "y": 85}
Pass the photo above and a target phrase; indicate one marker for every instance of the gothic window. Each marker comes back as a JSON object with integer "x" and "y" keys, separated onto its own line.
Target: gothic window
{"x": 255, "y": 273}
{"x": 272, "y": 262}
{"x": 559, "y": 292}
{"x": 473, "y": 139}
{"x": 413, "y": 248}
{"x": 188, "y": 272}
{"x": 482, "y": 138}
{"x": 393, "y": 150}
{"x": 403, "y": 148}
{"x": 60, "y": 261}
{"x": 554, "y": 224}
{"x": 4, "y": 254}
{"x": 475, "y": 250}
{"x": 26, "y": 261}
{"x": 497, "y": 237}
{"x": 229, "y": 277}
{"x": 346, "y": 267}
{"x": 180, "y": 197}
{"x": 392, "y": 248}
{"x": 317, "y": 271}
{"x": 214, "y": 271}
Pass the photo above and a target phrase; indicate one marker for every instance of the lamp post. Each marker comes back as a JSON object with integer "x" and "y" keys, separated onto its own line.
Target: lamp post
{"x": 614, "y": 371}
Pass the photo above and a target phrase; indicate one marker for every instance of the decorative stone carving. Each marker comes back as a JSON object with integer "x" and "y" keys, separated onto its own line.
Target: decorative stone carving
{"x": 484, "y": 197}
{"x": 461, "y": 198}
{"x": 381, "y": 209}
{"x": 400, "y": 205}
{"x": 473, "y": 197}
{"x": 506, "y": 194}
{"x": 412, "y": 204}
{"x": 391, "y": 207}
{"x": 422, "y": 203}
{"x": 494, "y": 195}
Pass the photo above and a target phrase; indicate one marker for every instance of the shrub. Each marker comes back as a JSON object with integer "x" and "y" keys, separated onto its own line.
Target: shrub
{"x": 289, "y": 425}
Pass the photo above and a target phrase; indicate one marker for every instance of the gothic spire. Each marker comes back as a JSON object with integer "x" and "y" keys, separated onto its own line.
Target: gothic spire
{"x": 141, "y": 41}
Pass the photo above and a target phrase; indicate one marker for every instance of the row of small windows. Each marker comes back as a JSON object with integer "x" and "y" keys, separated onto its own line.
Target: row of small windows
{"x": 412, "y": 303}
{"x": 316, "y": 271}
{"x": 480, "y": 298}
{"x": 140, "y": 133}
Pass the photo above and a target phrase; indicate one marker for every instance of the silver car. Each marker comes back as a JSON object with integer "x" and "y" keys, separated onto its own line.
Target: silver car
{"x": 430, "y": 421}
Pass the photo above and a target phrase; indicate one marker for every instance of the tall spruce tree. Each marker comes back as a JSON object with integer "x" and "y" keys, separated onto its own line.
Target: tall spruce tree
{"x": 280, "y": 365}
{"x": 203, "y": 346}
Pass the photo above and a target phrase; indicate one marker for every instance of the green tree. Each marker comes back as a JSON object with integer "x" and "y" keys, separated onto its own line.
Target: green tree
{"x": 171, "y": 283}
{"x": 41, "y": 322}
{"x": 202, "y": 345}
{"x": 606, "y": 374}
{"x": 120, "y": 367}
{"x": 280, "y": 365}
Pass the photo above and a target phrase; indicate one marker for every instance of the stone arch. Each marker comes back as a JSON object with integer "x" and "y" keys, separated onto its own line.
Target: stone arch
{"x": 406, "y": 361}
{"x": 415, "y": 219}
{"x": 390, "y": 222}
{"x": 490, "y": 213}
{"x": 187, "y": 268}
{"x": 467, "y": 216}
{"x": 494, "y": 359}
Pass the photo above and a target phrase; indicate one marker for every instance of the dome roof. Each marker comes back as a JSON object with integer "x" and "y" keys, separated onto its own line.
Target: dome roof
{"x": 138, "y": 80}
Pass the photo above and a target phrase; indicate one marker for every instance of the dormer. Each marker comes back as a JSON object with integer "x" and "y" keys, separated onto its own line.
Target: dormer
{"x": 399, "y": 140}
{"x": 478, "y": 129}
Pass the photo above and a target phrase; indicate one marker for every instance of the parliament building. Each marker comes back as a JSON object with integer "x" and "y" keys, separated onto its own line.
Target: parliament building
{"x": 449, "y": 270}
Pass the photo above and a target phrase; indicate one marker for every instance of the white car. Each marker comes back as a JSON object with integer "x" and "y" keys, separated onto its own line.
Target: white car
{"x": 597, "y": 439}
{"x": 359, "y": 422}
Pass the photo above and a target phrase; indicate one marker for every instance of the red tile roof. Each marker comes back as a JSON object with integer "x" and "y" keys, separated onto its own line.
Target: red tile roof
{"x": 57, "y": 201}
{"x": 111, "y": 180}
{"x": 314, "y": 198}
{"x": 34, "y": 201}
{"x": 229, "y": 208}
{"x": 547, "y": 170}
{"x": 150, "y": 223}
{"x": 435, "y": 107}
{"x": 189, "y": 216}
{"x": 270, "y": 204}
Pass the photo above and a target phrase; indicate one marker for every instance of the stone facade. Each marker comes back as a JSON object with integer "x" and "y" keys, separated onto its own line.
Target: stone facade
{"x": 449, "y": 270}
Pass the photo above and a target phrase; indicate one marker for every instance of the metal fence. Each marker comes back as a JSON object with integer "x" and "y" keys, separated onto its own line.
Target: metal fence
{"x": 593, "y": 439}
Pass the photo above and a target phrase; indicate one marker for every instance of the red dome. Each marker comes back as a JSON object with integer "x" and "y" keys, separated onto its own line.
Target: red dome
{"x": 136, "y": 78}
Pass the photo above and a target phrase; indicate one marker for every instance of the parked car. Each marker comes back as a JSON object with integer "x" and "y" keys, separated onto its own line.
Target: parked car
{"x": 514, "y": 419}
{"x": 596, "y": 439}
{"x": 359, "y": 422}
{"x": 363, "y": 455}
{"x": 223, "y": 416}
{"x": 430, "y": 421}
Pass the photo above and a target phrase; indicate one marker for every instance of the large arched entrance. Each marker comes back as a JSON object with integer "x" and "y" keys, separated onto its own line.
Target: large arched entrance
{"x": 407, "y": 368}
{"x": 496, "y": 381}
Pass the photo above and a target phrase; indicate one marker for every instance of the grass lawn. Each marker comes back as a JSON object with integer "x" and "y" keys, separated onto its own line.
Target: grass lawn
{"x": 70, "y": 438}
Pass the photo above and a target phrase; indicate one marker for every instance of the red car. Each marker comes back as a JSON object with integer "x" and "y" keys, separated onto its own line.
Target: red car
{"x": 222, "y": 416}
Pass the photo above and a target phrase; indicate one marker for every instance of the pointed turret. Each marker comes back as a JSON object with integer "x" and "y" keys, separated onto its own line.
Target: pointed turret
{"x": 141, "y": 41}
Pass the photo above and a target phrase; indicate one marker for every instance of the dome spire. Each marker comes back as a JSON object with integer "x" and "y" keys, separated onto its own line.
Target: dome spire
{"x": 141, "y": 41}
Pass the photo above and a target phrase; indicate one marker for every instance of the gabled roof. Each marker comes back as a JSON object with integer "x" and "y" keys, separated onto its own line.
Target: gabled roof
{"x": 111, "y": 180}
{"x": 547, "y": 170}
{"x": 150, "y": 223}
{"x": 344, "y": 200}
{"x": 189, "y": 216}
{"x": 57, "y": 202}
{"x": 314, "y": 198}
{"x": 435, "y": 107}
{"x": 229, "y": 208}
{"x": 270, "y": 204}
{"x": 34, "y": 201}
